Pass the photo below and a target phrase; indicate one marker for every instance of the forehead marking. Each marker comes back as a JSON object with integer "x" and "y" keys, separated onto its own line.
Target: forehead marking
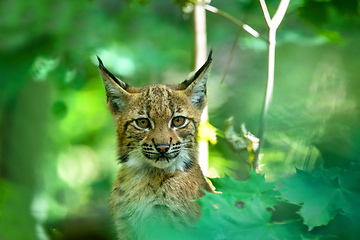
{"x": 158, "y": 101}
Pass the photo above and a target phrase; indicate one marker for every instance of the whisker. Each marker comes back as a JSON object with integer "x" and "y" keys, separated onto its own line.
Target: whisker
{"x": 191, "y": 149}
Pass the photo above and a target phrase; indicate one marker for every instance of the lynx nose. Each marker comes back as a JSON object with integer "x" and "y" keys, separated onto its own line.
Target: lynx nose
{"x": 162, "y": 148}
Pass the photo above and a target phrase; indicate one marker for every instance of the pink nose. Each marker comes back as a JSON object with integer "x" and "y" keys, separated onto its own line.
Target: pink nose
{"x": 162, "y": 148}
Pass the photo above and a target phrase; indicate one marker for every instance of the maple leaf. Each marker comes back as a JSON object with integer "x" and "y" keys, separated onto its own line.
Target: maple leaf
{"x": 224, "y": 218}
{"x": 323, "y": 194}
{"x": 243, "y": 190}
{"x": 243, "y": 211}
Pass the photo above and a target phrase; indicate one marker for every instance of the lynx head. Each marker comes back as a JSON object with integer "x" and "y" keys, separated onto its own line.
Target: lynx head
{"x": 157, "y": 125}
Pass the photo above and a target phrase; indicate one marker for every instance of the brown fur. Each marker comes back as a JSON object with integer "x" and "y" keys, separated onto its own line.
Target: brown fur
{"x": 160, "y": 175}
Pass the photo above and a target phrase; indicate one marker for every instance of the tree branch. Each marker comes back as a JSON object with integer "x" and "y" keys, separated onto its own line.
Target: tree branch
{"x": 273, "y": 25}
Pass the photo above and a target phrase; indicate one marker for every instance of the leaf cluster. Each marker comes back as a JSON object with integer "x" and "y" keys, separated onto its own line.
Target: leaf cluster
{"x": 306, "y": 205}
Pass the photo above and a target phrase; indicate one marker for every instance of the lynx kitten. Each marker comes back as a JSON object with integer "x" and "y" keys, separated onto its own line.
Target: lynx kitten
{"x": 156, "y": 128}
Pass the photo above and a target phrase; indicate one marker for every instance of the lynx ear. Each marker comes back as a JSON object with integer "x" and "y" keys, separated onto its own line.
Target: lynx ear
{"x": 116, "y": 94}
{"x": 195, "y": 86}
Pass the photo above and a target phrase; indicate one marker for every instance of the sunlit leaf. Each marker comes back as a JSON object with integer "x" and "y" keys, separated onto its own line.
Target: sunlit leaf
{"x": 207, "y": 132}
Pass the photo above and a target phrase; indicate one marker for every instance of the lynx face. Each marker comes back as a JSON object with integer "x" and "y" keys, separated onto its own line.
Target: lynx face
{"x": 157, "y": 125}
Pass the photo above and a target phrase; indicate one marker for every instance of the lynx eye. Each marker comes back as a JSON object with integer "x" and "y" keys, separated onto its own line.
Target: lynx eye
{"x": 178, "y": 121}
{"x": 143, "y": 123}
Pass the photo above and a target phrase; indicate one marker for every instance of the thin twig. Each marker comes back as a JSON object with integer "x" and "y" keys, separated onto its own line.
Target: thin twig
{"x": 266, "y": 12}
{"x": 241, "y": 24}
{"x": 227, "y": 67}
{"x": 233, "y": 49}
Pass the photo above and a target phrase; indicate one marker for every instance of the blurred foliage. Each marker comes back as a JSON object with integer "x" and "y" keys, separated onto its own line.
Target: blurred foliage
{"x": 57, "y": 145}
{"x": 241, "y": 142}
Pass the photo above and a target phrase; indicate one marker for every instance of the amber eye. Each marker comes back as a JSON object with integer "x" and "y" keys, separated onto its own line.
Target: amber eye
{"x": 178, "y": 121}
{"x": 143, "y": 122}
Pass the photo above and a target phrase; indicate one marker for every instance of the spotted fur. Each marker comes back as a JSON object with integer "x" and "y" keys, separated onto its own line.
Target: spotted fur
{"x": 160, "y": 174}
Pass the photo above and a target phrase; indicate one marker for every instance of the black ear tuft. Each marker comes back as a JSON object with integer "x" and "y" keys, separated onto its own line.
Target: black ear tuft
{"x": 197, "y": 74}
{"x": 110, "y": 75}
{"x": 100, "y": 62}
{"x": 205, "y": 66}
{"x": 115, "y": 90}
{"x": 196, "y": 85}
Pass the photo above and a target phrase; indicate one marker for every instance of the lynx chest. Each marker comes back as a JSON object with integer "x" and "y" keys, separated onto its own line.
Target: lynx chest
{"x": 138, "y": 197}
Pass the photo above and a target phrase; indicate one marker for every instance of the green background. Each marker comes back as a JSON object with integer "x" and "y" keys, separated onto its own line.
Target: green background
{"x": 57, "y": 144}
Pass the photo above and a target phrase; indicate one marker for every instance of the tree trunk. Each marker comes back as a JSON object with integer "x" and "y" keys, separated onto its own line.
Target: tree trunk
{"x": 200, "y": 48}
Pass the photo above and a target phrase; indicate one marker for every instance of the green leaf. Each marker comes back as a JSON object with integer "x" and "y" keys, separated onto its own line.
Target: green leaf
{"x": 255, "y": 186}
{"x": 222, "y": 219}
{"x": 349, "y": 180}
{"x": 243, "y": 211}
{"x": 323, "y": 193}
